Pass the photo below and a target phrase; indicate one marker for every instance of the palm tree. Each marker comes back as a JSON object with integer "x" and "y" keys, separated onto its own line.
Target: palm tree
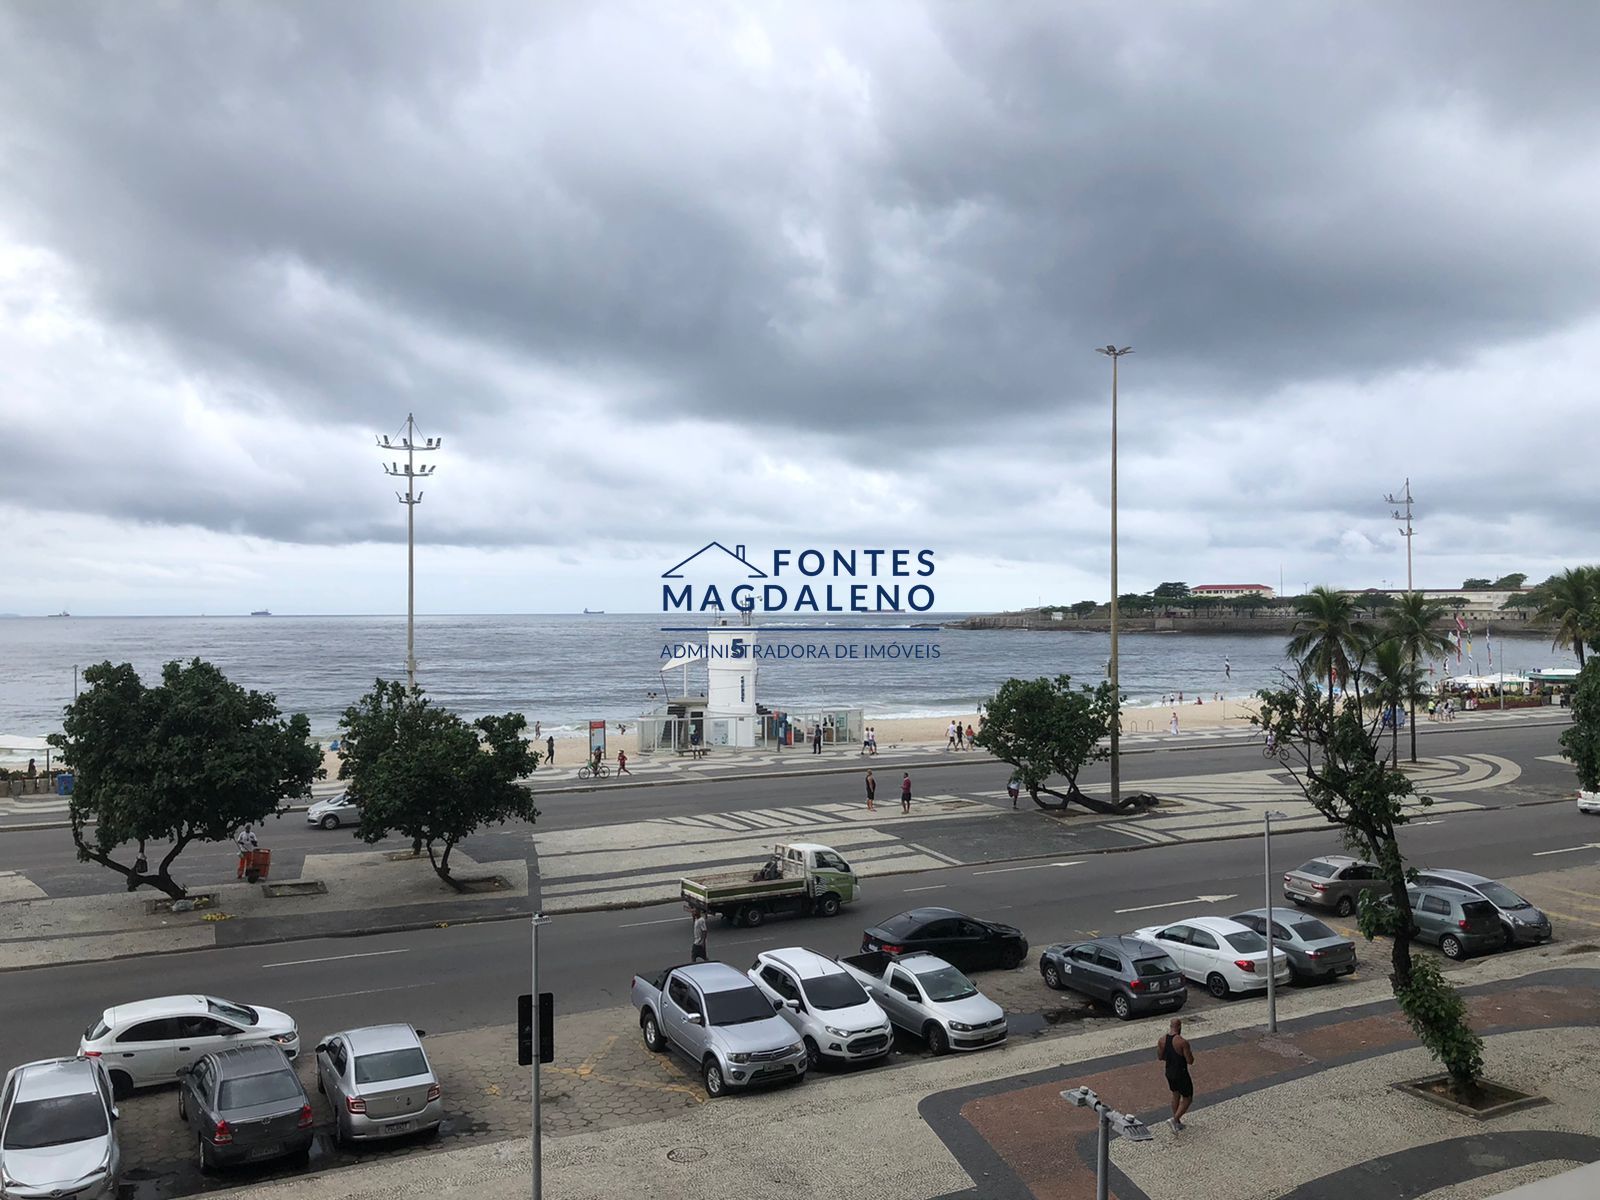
{"x": 1413, "y": 622}
{"x": 1389, "y": 680}
{"x": 1569, "y": 600}
{"x": 1327, "y": 636}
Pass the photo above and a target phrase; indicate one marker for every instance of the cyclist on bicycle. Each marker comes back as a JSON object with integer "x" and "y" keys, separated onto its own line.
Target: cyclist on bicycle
{"x": 1272, "y": 742}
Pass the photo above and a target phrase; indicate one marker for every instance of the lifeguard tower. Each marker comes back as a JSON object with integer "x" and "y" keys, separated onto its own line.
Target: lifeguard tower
{"x": 722, "y": 710}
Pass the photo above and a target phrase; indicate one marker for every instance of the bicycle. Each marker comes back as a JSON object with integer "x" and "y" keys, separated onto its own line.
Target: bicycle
{"x": 590, "y": 771}
{"x": 1269, "y": 748}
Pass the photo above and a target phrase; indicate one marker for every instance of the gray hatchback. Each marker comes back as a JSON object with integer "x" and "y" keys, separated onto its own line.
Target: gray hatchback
{"x": 245, "y": 1104}
{"x": 1457, "y": 923}
{"x": 1133, "y": 976}
{"x": 1520, "y": 922}
{"x": 1315, "y": 951}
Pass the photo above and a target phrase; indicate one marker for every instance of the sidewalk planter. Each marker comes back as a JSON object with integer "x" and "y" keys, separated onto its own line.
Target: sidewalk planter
{"x": 1490, "y": 1100}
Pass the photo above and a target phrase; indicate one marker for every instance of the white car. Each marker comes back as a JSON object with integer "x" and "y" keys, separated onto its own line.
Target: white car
{"x": 334, "y": 812}
{"x": 1218, "y": 953}
{"x": 1588, "y": 802}
{"x": 833, "y": 1014}
{"x": 149, "y": 1041}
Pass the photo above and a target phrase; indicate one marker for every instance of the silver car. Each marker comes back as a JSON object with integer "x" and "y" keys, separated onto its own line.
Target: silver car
{"x": 58, "y": 1132}
{"x": 334, "y": 812}
{"x": 1520, "y": 921}
{"x": 379, "y": 1083}
{"x": 1315, "y": 951}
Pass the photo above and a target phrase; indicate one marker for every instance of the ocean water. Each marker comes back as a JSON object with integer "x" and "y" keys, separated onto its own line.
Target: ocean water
{"x": 565, "y": 670}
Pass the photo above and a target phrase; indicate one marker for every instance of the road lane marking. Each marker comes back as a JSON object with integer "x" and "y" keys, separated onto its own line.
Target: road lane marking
{"x": 1176, "y": 903}
{"x": 300, "y": 962}
{"x": 1031, "y": 867}
{"x": 403, "y": 987}
{"x": 1567, "y": 849}
{"x": 932, "y": 887}
{"x": 642, "y": 924}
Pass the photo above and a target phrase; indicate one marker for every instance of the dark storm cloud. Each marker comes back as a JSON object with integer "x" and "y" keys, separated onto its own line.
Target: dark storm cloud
{"x": 893, "y": 222}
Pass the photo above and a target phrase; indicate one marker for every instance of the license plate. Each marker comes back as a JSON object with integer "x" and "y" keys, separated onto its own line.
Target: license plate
{"x": 992, "y": 1035}
{"x": 397, "y": 1126}
{"x": 264, "y": 1152}
{"x": 1297, "y": 895}
{"x": 1169, "y": 1000}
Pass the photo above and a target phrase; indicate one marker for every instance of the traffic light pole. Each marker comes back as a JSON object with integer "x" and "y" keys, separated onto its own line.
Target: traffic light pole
{"x": 538, "y": 1152}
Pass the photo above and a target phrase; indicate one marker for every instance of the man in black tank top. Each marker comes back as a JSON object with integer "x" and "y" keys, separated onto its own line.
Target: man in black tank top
{"x": 1176, "y": 1055}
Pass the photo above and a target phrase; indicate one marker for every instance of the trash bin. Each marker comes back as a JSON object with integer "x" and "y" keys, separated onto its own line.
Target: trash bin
{"x": 257, "y": 865}
{"x": 64, "y": 783}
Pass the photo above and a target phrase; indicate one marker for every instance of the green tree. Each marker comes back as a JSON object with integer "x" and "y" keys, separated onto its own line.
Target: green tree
{"x": 1084, "y": 607}
{"x": 189, "y": 760}
{"x": 430, "y": 775}
{"x": 1134, "y": 602}
{"x": 1337, "y": 760}
{"x": 1509, "y": 582}
{"x": 1568, "y": 600}
{"x": 1390, "y": 680}
{"x": 1327, "y": 637}
{"x": 1581, "y": 743}
{"x": 1475, "y": 585}
{"x": 1046, "y": 727}
{"x": 1171, "y": 591}
{"x": 1413, "y": 622}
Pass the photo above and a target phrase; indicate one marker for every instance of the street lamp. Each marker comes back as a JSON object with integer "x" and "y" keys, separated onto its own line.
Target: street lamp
{"x": 1111, "y": 352}
{"x": 1272, "y": 986}
{"x": 1128, "y": 1125}
{"x": 538, "y": 1131}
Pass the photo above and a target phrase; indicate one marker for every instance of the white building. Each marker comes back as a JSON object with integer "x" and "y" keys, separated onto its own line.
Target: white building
{"x": 1232, "y": 591}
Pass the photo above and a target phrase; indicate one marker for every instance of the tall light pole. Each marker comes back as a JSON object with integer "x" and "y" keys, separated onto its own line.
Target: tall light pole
{"x": 410, "y": 472}
{"x": 1404, "y": 498}
{"x": 1272, "y": 982}
{"x": 538, "y": 1125}
{"x": 1111, "y": 352}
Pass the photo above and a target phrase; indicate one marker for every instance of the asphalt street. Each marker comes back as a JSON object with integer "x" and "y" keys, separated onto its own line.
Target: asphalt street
{"x": 48, "y": 858}
{"x": 469, "y": 976}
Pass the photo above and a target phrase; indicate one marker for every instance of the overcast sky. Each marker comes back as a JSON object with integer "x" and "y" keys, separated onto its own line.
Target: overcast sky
{"x": 794, "y": 275}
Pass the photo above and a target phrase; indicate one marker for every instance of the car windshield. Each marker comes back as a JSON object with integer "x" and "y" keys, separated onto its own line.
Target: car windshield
{"x": 902, "y": 926}
{"x": 390, "y": 1064}
{"x": 1246, "y": 941}
{"x": 738, "y": 1006}
{"x": 946, "y": 984}
{"x": 1309, "y": 929}
{"x": 1322, "y": 870}
{"x": 230, "y": 1011}
{"x": 1151, "y": 968}
{"x": 251, "y": 1090}
{"x": 55, "y": 1121}
{"x": 1500, "y": 895}
{"x": 834, "y": 991}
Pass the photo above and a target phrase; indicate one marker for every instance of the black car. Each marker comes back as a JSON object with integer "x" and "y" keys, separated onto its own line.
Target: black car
{"x": 1131, "y": 975}
{"x": 245, "y": 1104}
{"x": 962, "y": 941}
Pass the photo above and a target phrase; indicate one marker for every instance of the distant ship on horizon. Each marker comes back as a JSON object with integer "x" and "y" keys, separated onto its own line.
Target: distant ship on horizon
{"x": 594, "y": 612}
{"x": 261, "y": 612}
{"x": 62, "y": 613}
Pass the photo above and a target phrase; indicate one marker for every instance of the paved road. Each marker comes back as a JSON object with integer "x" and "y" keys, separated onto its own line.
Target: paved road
{"x": 46, "y": 857}
{"x": 465, "y": 977}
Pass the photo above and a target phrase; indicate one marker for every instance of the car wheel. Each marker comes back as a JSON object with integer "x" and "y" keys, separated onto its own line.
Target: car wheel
{"x": 1451, "y": 946}
{"x": 813, "y": 1055}
{"x": 753, "y": 916}
{"x": 1052, "y": 976}
{"x": 1345, "y": 907}
{"x": 711, "y": 1075}
{"x": 652, "y": 1034}
{"x": 828, "y": 906}
{"x": 206, "y": 1165}
{"x": 1217, "y": 985}
{"x": 329, "y": 822}
{"x": 121, "y": 1084}
{"x": 938, "y": 1039}
{"x": 1011, "y": 958}
{"x": 1122, "y": 1006}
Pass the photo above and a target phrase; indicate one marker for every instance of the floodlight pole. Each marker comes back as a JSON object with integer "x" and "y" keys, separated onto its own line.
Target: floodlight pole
{"x": 538, "y": 1148}
{"x": 1272, "y": 974}
{"x": 1111, "y": 352}
{"x": 411, "y": 473}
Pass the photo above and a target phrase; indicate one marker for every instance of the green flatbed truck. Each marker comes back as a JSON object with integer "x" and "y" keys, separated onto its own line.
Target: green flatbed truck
{"x": 801, "y": 878}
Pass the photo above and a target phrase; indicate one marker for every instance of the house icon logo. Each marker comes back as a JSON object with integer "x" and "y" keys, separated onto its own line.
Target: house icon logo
{"x": 705, "y": 558}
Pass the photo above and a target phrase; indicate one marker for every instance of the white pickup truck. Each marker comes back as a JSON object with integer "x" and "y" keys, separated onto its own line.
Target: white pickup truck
{"x": 721, "y": 1022}
{"x": 926, "y": 996}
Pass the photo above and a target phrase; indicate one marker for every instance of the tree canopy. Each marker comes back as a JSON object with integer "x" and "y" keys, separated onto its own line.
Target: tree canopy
{"x": 424, "y": 772}
{"x": 190, "y": 759}
{"x": 1327, "y": 637}
{"x": 1171, "y": 591}
{"x": 1047, "y": 727}
{"x": 1413, "y": 623}
{"x": 1581, "y": 743}
{"x": 1571, "y": 600}
{"x": 1510, "y": 582}
{"x": 1475, "y": 585}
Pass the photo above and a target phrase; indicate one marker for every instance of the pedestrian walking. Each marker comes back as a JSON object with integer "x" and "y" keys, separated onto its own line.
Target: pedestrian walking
{"x": 1176, "y": 1056}
{"x": 537, "y": 731}
{"x": 33, "y": 769}
{"x": 872, "y": 790}
{"x": 697, "y": 935}
{"x": 550, "y": 751}
{"x": 905, "y": 792}
{"x": 1014, "y": 787}
{"x": 950, "y": 736}
{"x": 972, "y": 738}
{"x": 622, "y": 763}
{"x": 1172, "y": 725}
{"x": 246, "y": 840}
{"x": 816, "y": 739}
